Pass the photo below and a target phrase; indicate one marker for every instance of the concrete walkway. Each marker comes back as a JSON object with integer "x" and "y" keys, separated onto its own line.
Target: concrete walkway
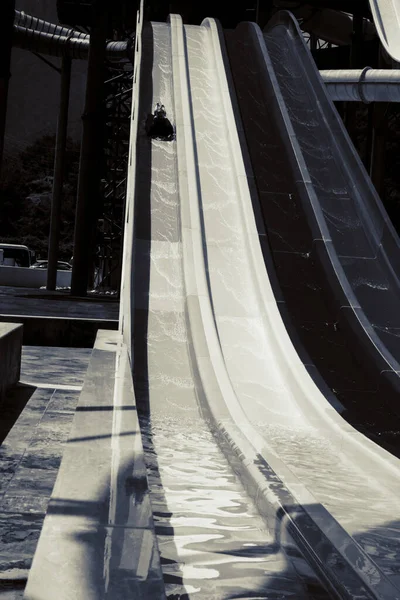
{"x": 31, "y": 451}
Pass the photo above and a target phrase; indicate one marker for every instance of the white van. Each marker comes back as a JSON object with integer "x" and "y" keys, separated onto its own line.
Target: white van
{"x": 15, "y": 255}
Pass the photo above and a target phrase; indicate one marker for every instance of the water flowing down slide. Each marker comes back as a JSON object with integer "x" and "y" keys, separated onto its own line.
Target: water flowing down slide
{"x": 333, "y": 251}
{"x": 209, "y": 347}
{"x": 211, "y": 539}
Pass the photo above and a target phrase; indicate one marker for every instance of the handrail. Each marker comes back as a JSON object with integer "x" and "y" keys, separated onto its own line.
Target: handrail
{"x": 127, "y": 275}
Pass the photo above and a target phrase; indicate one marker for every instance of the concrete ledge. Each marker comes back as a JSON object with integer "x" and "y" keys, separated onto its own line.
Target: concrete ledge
{"x": 34, "y": 278}
{"x": 10, "y": 352}
{"x": 98, "y": 537}
{"x": 59, "y": 331}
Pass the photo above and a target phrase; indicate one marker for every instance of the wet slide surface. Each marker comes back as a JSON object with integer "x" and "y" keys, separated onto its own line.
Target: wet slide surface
{"x": 303, "y": 291}
{"x": 213, "y": 543}
{"x": 355, "y": 233}
{"x": 353, "y": 497}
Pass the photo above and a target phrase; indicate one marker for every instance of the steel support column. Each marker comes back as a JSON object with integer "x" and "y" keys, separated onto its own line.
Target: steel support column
{"x": 118, "y": 99}
{"x": 356, "y": 62}
{"x": 7, "y": 12}
{"x": 88, "y": 197}
{"x": 379, "y": 120}
{"x": 379, "y": 136}
{"x": 59, "y": 166}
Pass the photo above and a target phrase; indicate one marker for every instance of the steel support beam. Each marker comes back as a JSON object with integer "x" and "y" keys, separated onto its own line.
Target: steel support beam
{"x": 356, "y": 62}
{"x": 58, "y": 181}
{"x": 88, "y": 198}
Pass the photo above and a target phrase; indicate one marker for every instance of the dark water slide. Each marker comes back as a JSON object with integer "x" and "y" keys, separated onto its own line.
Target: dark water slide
{"x": 334, "y": 249}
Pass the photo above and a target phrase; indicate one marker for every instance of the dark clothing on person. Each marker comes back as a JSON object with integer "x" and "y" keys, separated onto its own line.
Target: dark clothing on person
{"x": 158, "y": 126}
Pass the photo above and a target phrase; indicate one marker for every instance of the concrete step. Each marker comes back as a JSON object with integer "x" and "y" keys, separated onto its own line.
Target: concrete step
{"x": 10, "y": 352}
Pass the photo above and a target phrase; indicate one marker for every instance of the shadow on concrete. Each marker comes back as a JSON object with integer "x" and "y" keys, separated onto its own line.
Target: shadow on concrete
{"x": 12, "y": 406}
{"x": 98, "y": 437}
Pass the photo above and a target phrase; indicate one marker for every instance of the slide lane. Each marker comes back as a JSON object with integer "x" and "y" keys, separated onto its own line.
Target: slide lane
{"x": 211, "y": 539}
{"x": 321, "y": 215}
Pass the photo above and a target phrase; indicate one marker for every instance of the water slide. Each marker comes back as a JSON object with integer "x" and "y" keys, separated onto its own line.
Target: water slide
{"x": 336, "y": 27}
{"x": 208, "y": 344}
{"x": 242, "y": 237}
{"x": 328, "y": 224}
{"x": 386, "y": 15}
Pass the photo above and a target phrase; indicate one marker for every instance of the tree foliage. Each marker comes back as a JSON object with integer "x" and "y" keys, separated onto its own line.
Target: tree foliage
{"x": 26, "y": 194}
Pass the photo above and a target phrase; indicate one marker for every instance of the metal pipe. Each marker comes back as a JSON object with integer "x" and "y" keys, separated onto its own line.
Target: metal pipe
{"x": 61, "y": 45}
{"x": 30, "y": 22}
{"x": 363, "y": 85}
{"x": 59, "y": 165}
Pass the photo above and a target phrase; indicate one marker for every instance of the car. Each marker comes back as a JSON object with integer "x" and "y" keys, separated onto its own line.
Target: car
{"x": 61, "y": 265}
{"x": 15, "y": 255}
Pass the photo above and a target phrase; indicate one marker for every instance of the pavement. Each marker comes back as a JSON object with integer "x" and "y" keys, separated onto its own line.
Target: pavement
{"x": 36, "y": 420}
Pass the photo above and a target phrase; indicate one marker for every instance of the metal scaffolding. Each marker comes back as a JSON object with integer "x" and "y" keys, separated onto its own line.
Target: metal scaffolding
{"x": 118, "y": 92}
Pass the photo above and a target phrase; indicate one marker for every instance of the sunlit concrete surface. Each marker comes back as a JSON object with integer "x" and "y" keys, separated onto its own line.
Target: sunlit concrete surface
{"x": 98, "y": 535}
{"x": 36, "y": 419}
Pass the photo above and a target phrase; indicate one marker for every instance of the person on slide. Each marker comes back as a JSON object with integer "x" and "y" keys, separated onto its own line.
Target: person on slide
{"x": 158, "y": 126}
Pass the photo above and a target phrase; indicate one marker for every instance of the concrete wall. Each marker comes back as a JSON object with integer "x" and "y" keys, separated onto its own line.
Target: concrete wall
{"x": 34, "y": 90}
{"x": 10, "y": 352}
{"x": 31, "y": 278}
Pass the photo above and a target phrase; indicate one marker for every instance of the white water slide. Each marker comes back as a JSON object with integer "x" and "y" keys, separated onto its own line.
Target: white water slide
{"x": 336, "y": 27}
{"x": 204, "y": 330}
{"x": 386, "y": 15}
